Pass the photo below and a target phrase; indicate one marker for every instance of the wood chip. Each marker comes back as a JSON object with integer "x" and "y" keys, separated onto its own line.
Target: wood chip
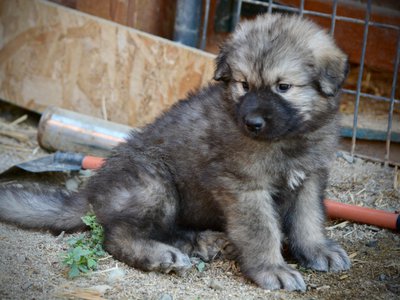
{"x": 340, "y": 225}
{"x": 14, "y": 147}
{"x": 86, "y": 294}
{"x": 15, "y": 135}
{"x": 354, "y": 254}
{"x": 323, "y": 287}
{"x": 19, "y": 120}
{"x": 95, "y": 292}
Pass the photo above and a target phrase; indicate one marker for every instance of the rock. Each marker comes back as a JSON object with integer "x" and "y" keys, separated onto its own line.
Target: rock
{"x": 372, "y": 244}
{"x": 72, "y": 185}
{"x": 60, "y": 237}
{"x": 115, "y": 275}
{"x": 101, "y": 289}
{"x": 311, "y": 286}
{"x": 165, "y": 297}
{"x": 21, "y": 258}
{"x": 26, "y": 285}
{"x": 382, "y": 277}
{"x": 216, "y": 285}
{"x": 350, "y": 159}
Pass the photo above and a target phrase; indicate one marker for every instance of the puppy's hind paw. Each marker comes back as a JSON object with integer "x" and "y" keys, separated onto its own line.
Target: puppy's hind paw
{"x": 277, "y": 277}
{"x": 210, "y": 245}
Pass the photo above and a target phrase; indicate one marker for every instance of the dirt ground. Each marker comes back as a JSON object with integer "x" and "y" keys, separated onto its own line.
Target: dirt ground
{"x": 30, "y": 266}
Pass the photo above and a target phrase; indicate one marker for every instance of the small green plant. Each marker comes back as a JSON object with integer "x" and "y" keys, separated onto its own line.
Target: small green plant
{"x": 85, "y": 249}
{"x": 200, "y": 266}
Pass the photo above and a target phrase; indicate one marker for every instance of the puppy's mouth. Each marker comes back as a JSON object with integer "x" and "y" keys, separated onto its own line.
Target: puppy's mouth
{"x": 258, "y": 127}
{"x": 267, "y": 117}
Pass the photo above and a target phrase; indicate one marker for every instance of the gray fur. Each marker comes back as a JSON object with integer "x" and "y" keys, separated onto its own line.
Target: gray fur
{"x": 247, "y": 156}
{"x": 37, "y": 206}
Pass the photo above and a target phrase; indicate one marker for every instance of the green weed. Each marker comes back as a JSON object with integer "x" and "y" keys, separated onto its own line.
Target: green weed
{"x": 85, "y": 249}
{"x": 200, "y": 266}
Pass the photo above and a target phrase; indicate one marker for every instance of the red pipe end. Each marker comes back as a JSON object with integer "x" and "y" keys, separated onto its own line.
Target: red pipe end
{"x": 380, "y": 218}
{"x": 92, "y": 162}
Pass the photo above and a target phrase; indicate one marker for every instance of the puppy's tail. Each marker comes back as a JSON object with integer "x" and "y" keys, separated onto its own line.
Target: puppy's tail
{"x": 42, "y": 207}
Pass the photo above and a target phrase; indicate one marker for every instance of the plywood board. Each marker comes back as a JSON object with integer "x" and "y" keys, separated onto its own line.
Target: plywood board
{"x": 53, "y": 55}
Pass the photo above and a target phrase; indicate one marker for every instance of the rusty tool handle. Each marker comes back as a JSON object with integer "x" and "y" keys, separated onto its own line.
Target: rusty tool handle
{"x": 92, "y": 162}
{"x": 78, "y": 160}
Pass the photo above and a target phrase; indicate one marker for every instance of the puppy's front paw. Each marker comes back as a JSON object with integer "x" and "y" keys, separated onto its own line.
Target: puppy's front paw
{"x": 328, "y": 257}
{"x": 277, "y": 277}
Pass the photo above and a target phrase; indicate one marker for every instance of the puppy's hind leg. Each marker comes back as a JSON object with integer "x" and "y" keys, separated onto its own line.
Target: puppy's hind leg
{"x": 162, "y": 246}
{"x": 132, "y": 247}
{"x": 138, "y": 211}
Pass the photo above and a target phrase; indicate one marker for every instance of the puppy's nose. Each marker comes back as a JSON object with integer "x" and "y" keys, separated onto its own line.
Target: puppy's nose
{"x": 254, "y": 123}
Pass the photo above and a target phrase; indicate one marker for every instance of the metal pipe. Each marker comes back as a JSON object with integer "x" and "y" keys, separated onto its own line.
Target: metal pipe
{"x": 301, "y": 11}
{"x": 360, "y": 75}
{"x": 205, "y": 25}
{"x": 374, "y": 97}
{"x": 236, "y": 13}
{"x": 269, "y": 6}
{"x": 392, "y": 94}
{"x": 333, "y": 18}
{"x": 61, "y": 129}
{"x": 187, "y": 22}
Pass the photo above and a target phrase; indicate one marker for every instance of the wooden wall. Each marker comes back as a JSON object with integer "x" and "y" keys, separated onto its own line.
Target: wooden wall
{"x": 157, "y": 17}
{"x": 152, "y": 16}
{"x": 53, "y": 55}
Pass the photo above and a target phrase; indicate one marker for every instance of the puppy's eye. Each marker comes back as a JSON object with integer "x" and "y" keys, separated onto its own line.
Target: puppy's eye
{"x": 245, "y": 86}
{"x": 283, "y": 87}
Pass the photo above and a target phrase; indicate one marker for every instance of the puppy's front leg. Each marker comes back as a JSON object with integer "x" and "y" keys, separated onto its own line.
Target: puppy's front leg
{"x": 304, "y": 224}
{"x": 253, "y": 227}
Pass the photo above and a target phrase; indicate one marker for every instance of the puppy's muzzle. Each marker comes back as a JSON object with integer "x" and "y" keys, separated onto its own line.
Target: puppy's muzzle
{"x": 263, "y": 114}
{"x": 254, "y": 123}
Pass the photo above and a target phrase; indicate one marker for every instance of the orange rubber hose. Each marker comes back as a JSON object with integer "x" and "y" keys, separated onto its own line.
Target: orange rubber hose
{"x": 380, "y": 218}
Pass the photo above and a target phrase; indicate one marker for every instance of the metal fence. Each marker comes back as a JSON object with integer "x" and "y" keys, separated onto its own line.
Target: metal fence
{"x": 367, "y": 23}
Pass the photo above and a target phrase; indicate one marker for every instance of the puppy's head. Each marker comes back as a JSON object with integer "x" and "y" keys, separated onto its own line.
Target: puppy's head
{"x": 283, "y": 73}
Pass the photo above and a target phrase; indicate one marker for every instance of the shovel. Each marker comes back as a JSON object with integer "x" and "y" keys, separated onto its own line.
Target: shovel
{"x": 61, "y": 162}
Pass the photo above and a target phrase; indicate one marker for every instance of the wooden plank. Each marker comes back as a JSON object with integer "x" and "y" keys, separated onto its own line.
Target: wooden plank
{"x": 152, "y": 16}
{"x": 101, "y": 8}
{"x": 157, "y": 17}
{"x": 53, "y": 55}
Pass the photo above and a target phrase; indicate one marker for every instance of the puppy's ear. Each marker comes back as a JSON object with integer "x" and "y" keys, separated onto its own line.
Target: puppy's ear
{"x": 332, "y": 72}
{"x": 223, "y": 71}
